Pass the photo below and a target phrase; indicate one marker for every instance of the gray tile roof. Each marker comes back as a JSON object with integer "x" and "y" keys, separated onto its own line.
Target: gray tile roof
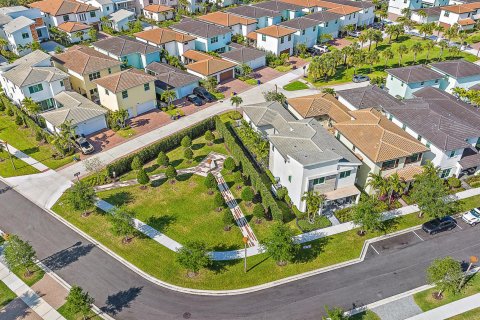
{"x": 458, "y": 68}
{"x": 243, "y": 54}
{"x": 121, "y": 46}
{"x": 415, "y": 73}
{"x": 4, "y": 19}
{"x": 301, "y": 23}
{"x": 120, "y": 15}
{"x": 277, "y": 6}
{"x": 470, "y": 158}
{"x": 306, "y": 141}
{"x": 17, "y": 24}
{"x": 357, "y": 4}
{"x": 75, "y": 107}
{"x": 323, "y": 16}
{"x": 368, "y": 97}
{"x": 253, "y": 12}
{"x": 200, "y": 28}
{"x": 169, "y": 77}
{"x": 475, "y": 87}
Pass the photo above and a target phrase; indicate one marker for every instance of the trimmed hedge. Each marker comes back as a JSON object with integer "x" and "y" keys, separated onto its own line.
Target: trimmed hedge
{"x": 262, "y": 186}
{"x": 149, "y": 153}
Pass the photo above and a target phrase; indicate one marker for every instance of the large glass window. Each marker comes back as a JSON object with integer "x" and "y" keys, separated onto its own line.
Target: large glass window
{"x": 214, "y": 39}
{"x": 445, "y": 173}
{"x": 318, "y": 181}
{"x": 413, "y": 158}
{"x": 93, "y": 76}
{"x": 390, "y": 164}
{"x": 35, "y": 88}
{"x": 125, "y": 94}
{"x": 92, "y": 14}
{"x": 345, "y": 174}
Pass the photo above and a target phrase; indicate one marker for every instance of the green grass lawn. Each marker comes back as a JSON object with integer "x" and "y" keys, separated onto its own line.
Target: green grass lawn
{"x": 126, "y": 133}
{"x": 366, "y": 315}
{"x": 473, "y": 314}
{"x": 295, "y": 85}
{"x": 283, "y": 68}
{"x": 37, "y": 274}
{"x": 63, "y": 310}
{"x": 343, "y": 75}
{"x": 24, "y": 140}
{"x": 183, "y": 211}
{"x": 7, "y": 169}
{"x": 252, "y": 82}
{"x": 6, "y": 295}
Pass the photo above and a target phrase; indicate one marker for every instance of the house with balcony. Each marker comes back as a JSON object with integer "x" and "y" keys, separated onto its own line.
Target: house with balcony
{"x": 303, "y": 156}
{"x": 366, "y": 15}
{"x": 39, "y": 30}
{"x": 120, "y": 20}
{"x": 208, "y": 36}
{"x": 396, "y": 6}
{"x": 238, "y": 24}
{"x": 383, "y": 147}
{"x": 306, "y": 31}
{"x": 132, "y": 52}
{"x": 106, "y": 7}
{"x": 328, "y": 24}
{"x": 403, "y": 82}
{"x": 76, "y": 31}
{"x": 464, "y": 15}
{"x": 84, "y": 65}
{"x": 264, "y": 17}
{"x": 457, "y": 73}
{"x": 275, "y": 39}
{"x": 173, "y": 42}
{"x": 32, "y": 76}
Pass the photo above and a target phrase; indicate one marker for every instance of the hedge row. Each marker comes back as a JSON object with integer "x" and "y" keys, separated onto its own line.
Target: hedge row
{"x": 248, "y": 169}
{"x": 149, "y": 153}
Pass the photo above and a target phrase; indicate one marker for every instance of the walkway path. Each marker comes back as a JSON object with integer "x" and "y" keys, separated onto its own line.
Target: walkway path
{"x": 451, "y": 309}
{"x": 25, "y": 158}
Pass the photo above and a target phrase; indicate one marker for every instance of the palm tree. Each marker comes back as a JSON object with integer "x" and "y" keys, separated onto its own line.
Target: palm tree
{"x": 459, "y": 92}
{"x": 401, "y": 50}
{"x": 377, "y": 183}
{"x": 236, "y": 100}
{"x": 390, "y": 30}
{"x": 443, "y": 44}
{"x": 396, "y": 185}
{"x": 439, "y": 28}
{"x": 357, "y": 60}
{"x": 168, "y": 96}
{"x": 454, "y": 51}
{"x": 407, "y": 12}
{"x": 429, "y": 45}
{"x": 313, "y": 201}
{"x": 377, "y": 37}
{"x": 387, "y": 55}
{"x": 337, "y": 57}
{"x": 210, "y": 84}
{"x": 422, "y": 14}
{"x": 362, "y": 38}
{"x": 31, "y": 106}
{"x": 370, "y": 33}
{"x": 3, "y": 44}
{"x": 382, "y": 14}
{"x": 372, "y": 58}
{"x": 416, "y": 49}
{"x": 329, "y": 91}
{"x": 426, "y": 29}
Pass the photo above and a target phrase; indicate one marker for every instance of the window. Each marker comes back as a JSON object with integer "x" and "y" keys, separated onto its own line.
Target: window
{"x": 61, "y": 83}
{"x": 264, "y": 37}
{"x": 336, "y": 21}
{"x": 146, "y": 86}
{"x": 125, "y": 94}
{"x": 404, "y": 127}
{"x": 66, "y": 18}
{"x": 214, "y": 39}
{"x": 282, "y": 39}
{"x": 354, "y": 15}
{"x": 422, "y": 83}
{"x": 452, "y": 154}
{"x": 436, "y": 81}
{"x": 92, "y": 14}
{"x": 93, "y": 91}
{"x": 289, "y": 178}
{"x": 391, "y": 77}
{"x": 390, "y": 117}
{"x": 303, "y": 32}
{"x": 93, "y": 76}
{"x": 25, "y": 35}
{"x": 404, "y": 1}
{"x": 106, "y": 92}
{"x": 390, "y": 164}
{"x": 413, "y": 158}
{"x": 445, "y": 173}
{"x": 39, "y": 33}
{"x": 338, "y": 135}
{"x": 108, "y": 8}
{"x": 419, "y": 138}
{"x": 345, "y": 174}
{"x": 82, "y": 17}
{"x": 326, "y": 24}
{"x": 109, "y": 70}
{"x": 314, "y": 28}
{"x": 318, "y": 181}
{"x": 446, "y": 13}
{"x": 428, "y": 144}
{"x": 35, "y": 88}
{"x": 289, "y": 37}
{"x": 401, "y": 85}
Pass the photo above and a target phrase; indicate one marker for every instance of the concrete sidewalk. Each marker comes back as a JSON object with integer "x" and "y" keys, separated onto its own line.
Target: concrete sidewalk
{"x": 25, "y": 158}
{"x": 451, "y": 309}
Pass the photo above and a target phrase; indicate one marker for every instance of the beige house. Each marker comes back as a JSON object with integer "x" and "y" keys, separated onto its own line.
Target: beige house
{"x": 83, "y": 65}
{"x": 383, "y": 147}
{"x": 132, "y": 90}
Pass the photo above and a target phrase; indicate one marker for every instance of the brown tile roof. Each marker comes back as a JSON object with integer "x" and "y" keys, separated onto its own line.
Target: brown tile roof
{"x": 407, "y": 173}
{"x": 85, "y": 60}
{"x": 466, "y": 22}
{"x": 462, "y": 8}
{"x": 226, "y": 19}
{"x": 196, "y": 55}
{"x": 344, "y": 9}
{"x": 275, "y": 31}
{"x": 72, "y": 26}
{"x": 61, "y": 7}
{"x": 304, "y": 3}
{"x": 124, "y": 80}
{"x": 163, "y": 35}
{"x": 377, "y": 137}
{"x": 210, "y": 66}
{"x": 319, "y": 105}
{"x": 158, "y": 8}
{"x": 252, "y": 35}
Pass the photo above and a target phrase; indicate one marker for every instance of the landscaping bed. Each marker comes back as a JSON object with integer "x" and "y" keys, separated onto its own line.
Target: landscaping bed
{"x": 67, "y": 314}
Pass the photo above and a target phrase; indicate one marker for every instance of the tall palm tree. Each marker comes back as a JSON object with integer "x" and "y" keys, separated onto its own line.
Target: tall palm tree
{"x": 459, "y": 92}
{"x": 390, "y": 30}
{"x": 426, "y": 29}
{"x": 422, "y": 14}
{"x": 439, "y": 28}
{"x": 372, "y": 58}
{"x": 416, "y": 49}
{"x": 407, "y": 12}
{"x": 429, "y": 45}
{"x": 401, "y": 50}
{"x": 169, "y": 96}
{"x": 31, "y": 107}
{"x": 313, "y": 201}
{"x": 357, "y": 60}
{"x": 362, "y": 38}
{"x": 454, "y": 51}
{"x": 382, "y": 14}
{"x": 122, "y": 116}
{"x": 443, "y": 44}
{"x": 396, "y": 185}
{"x": 329, "y": 91}
{"x": 387, "y": 54}
{"x": 377, "y": 183}
{"x": 377, "y": 37}
{"x": 370, "y": 34}
{"x": 236, "y": 100}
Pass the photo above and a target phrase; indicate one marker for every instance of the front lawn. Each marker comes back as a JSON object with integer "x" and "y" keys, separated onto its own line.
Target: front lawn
{"x": 295, "y": 85}
{"x": 35, "y": 276}
{"x": 365, "y": 315}
{"x": 126, "y": 133}
{"x": 473, "y": 314}
{"x": 63, "y": 310}
{"x": 6, "y": 295}
{"x": 7, "y": 169}
{"x": 252, "y": 82}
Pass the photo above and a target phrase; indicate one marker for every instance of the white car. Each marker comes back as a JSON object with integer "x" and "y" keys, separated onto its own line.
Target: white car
{"x": 472, "y": 217}
{"x": 322, "y": 49}
{"x": 355, "y": 34}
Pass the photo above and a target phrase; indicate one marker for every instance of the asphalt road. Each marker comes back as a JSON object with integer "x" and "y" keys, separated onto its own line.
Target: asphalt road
{"x": 391, "y": 267}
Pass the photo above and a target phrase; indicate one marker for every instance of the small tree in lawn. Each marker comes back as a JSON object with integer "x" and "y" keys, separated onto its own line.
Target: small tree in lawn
{"x": 122, "y": 223}
{"x": 279, "y": 244}
{"x": 334, "y": 314}
{"x": 171, "y": 174}
{"x": 247, "y": 195}
{"x": 210, "y": 183}
{"x": 19, "y": 253}
{"x": 228, "y": 220}
{"x": 143, "y": 178}
{"x": 238, "y": 178}
{"x": 258, "y": 212}
{"x": 218, "y": 201}
{"x": 209, "y": 137}
{"x": 188, "y": 154}
{"x": 446, "y": 274}
{"x": 79, "y": 301}
{"x": 367, "y": 214}
{"x": 162, "y": 159}
{"x": 136, "y": 163}
{"x": 81, "y": 197}
{"x": 229, "y": 164}
{"x": 193, "y": 256}
{"x": 186, "y": 142}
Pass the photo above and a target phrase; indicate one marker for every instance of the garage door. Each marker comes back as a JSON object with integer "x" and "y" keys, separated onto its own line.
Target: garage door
{"x": 145, "y": 107}
{"x": 227, "y": 75}
{"x": 257, "y": 63}
{"x": 91, "y": 126}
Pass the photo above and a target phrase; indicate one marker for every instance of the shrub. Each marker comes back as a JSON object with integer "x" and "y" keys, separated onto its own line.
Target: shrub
{"x": 344, "y": 215}
{"x": 228, "y": 220}
{"x": 2, "y": 106}
{"x": 259, "y": 211}
{"x": 186, "y": 142}
{"x": 171, "y": 173}
{"x": 209, "y": 136}
{"x": 96, "y": 180}
{"x": 137, "y": 163}
{"x": 188, "y": 154}
{"x": 218, "y": 201}
{"x": 18, "y": 120}
{"x": 210, "y": 182}
{"x": 247, "y": 195}
{"x": 10, "y": 112}
{"x": 454, "y": 182}
{"x": 162, "y": 159}
{"x": 282, "y": 193}
{"x": 142, "y": 177}
{"x": 229, "y": 164}
{"x": 38, "y": 136}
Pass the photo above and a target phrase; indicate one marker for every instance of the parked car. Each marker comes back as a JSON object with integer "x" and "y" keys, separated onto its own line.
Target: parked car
{"x": 377, "y": 25}
{"x": 321, "y": 48}
{"x": 439, "y": 225}
{"x": 313, "y": 51}
{"x": 472, "y": 217}
{"x": 204, "y": 94}
{"x": 84, "y": 145}
{"x": 355, "y": 33}
{"x": 193, "y": 98}
{"x": 360, "y": 78}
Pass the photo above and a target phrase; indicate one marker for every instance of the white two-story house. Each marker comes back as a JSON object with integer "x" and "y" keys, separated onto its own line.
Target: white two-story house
{"x": 276, "y": 39}
{"x": 306, "y": 30}
{"x": 173, "y": 42}
{"x": 464, "y": 15}
{"x": 403, "y": 82}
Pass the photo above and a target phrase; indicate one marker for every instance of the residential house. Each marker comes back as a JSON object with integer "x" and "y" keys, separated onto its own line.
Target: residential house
{"x": 264, "y": 17}
{"x": 32, "y": 76}
{"x": 18, "y": 33}
{"x": 350, "y": 15}
{"x": 447, "y": 126}
{"x": 158, "y": 12}
{"x": 440, "y": 3}
{"x": 287, "y": 10}
{"x": 39, "y": 30}
{"x": 130, "y": 51}
{"x": 396, "y": 6}
{"x": 366, "y": 97}
{"x": 84, "y": 115}
{"x": 132, "y": 90}
{"x": 106, "y": 7}
{"x": 462, "y": 14}
{"x": 238, "y": 24}
{"x": 328, "y": 24}
{"x": 306, "y": 31}
{"x": 366, "y": 15}
{"x": 383, "y": 147}
{"x": 204, "y": 66}
{"x": 119, "y": 20}
{"x": 3, "y": 61}
{"x": 432, "y": 15}
{"x": 246, "y": 55}
{"x": 458, "y": 73}
{"x": 208, "y": 36}
{"x": 403, "y": 82}
{"x": 276, "y": 39}
{"x": 84, "y": 65}
{"x": 171, "y": 78}
{"x": 76, "y": 31}
{"x": 173, "y": 42}
{"x": 308, "y": 6}
{"x": 303, "y": 156}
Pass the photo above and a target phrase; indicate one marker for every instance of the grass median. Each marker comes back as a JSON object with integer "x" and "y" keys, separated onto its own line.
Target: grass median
{"x": 6, "y": 295}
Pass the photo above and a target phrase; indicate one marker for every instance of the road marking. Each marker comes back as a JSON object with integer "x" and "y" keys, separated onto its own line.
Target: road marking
{"x": 374, "y": 249}
{"x": 458, "y": 226}
{"x": 417, "y": 235}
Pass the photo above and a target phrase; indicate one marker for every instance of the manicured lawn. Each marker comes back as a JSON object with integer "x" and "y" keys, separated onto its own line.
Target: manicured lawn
{"x": 183, "y": 211}
{"x": 295, "y": 85}
{"x": 7, "y": 170}
{"x": 252, "y": 82}
{"x": 469, "y": 315}
{"x": 37, "y": 275}
{"x": 366, "y": 315}
{"x": 24, "y": 140}
{"x": 70, "y": 316}
{"x": 283, "y": 68}
{"x": 126, "y": 133}
{"x": 6, "y": 295}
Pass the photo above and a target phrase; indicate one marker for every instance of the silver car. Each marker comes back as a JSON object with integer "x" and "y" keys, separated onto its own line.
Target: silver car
{"x": 85, "y": 146}
{"x": 472, "y": 217}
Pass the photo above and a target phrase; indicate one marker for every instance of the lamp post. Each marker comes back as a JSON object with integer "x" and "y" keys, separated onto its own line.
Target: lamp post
{"x": 245, "y": 241}
{"x": 10, "y": 155}
{"x": 473, "y": 259}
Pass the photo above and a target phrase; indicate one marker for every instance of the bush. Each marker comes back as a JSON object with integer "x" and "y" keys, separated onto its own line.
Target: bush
{"x": 162, "y": 159}
{"x": 171, "y": 173}
{"x": 209, "y": 136}
{"x": 210, "y": 182}
{"x": 186, "y": 142}
{"x": 137, "y": 163}
{"x": 344, "y": 215}
{"x": 218, "y": 201}
{"x": 188, "y": 154}
{"x": 259, "y": 211}
{"x": 247, "y": 194}
{"x": 18, "y": 120}
{"x": 38, "y": 136}
{"x": 2, "y": 106}
{"x": 454, "y": 182}
{"x": 281, "y": 193}
{"x": 10, "y": 112}
{"x": 229, "y": 164}
{"x": 96, "y": 180}
{"x": 228, "y": 220}
{"x": 142, "y": 177}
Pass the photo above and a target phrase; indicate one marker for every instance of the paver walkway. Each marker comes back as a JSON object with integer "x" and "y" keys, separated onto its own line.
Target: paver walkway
{"x": 26, "y": 158}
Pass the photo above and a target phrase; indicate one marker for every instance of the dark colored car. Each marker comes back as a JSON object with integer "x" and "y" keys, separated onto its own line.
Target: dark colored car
{"x": 195, "y": 100}
{"x": 84, "y": 145}
{"x": 439, "y": 225}
{"x": 360, "y": 78}
{"x": 204, "y": 94}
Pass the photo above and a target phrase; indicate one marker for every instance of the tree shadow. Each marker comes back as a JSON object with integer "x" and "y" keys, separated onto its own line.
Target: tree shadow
{"x": 120, "y": 198}
{"x": 197, "y": 146}
{"x": 199, "y": 158}
{"x": 257, "y": 264}
{"x": 175, "y": 163}
{"x": 152, "y": 168}
{"x": 161, "y": 223}
{"x": 184, "y": 177}
{"x": 30, "y": 150}
{"x": 220, "y": 266}
{"x": 311, "y": 250}
{"x": 67, "y": 256}
{"x": 218, "y": 141}
{"x": 390, "y": 225}
{"x": 157, "y": 183}
{"x": 115, "y": 303}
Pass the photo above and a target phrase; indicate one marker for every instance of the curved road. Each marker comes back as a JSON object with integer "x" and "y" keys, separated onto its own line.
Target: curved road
{"x": 398, "y": 266}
